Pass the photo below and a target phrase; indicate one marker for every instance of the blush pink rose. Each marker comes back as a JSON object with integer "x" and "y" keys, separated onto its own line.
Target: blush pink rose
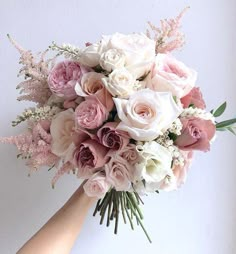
{"x": 196, "y": 134}
{"x": 91, "y": 84}
{"x": 170, "y": 75}
{"x": 91, "y": 113}
{"x": 63, "y": 78}
{"x": 96, "y": 186}
{"x": 88, "y": 157}
{"x": 194, "y": 97}
{"x": 110, "y": 137}
{"x": 119, "y": 173}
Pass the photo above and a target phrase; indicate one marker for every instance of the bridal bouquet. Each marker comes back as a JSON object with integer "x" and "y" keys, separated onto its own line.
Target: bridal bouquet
{"x": 122, "y": 114}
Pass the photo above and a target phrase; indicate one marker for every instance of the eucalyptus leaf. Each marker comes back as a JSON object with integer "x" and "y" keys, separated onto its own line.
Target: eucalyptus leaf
{"x": 219, "y": 111}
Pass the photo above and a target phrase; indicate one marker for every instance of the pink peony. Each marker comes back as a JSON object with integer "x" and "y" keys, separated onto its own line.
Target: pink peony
{"x": 196, "y": 134}
{"x": 119, "y": 173}
{"x": 63, "y": 78}
{"x": 194, "y": 97}
{"x": 89, "y": 156}
{"x": 96, "y": 186}
{"x": 170, "y": 75}
{"x": 91, "y": 84}
{"x": 91, "y": 113}
{"x": 110, "y": 137}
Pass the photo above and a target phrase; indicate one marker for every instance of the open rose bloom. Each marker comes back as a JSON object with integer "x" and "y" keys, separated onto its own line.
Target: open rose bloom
{"x": 121, "y": 113}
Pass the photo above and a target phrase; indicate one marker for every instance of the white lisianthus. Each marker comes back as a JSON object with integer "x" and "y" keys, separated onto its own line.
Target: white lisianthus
{"x": 146, "y": 114}
{"x": 112, "y": 59}
{"x": 120, "y": 83}
{"x": 138, "y": 49}
{"x": 155, "y": 164}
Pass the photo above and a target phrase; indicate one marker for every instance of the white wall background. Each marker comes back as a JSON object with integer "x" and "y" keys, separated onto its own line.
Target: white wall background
{"x": 198, "y": 219}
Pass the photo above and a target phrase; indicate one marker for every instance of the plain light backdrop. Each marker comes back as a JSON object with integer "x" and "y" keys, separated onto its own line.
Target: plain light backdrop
{"x": 198, "y": 219}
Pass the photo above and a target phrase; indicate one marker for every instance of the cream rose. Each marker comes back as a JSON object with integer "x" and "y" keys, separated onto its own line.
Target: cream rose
{"x": 112, "y": 59}
{"x": 61, "y": 129}
{"x": 120, "y": 83}
{"x": 138, "y": 49}
{"x": 154, "y": 166}
{"x": 146, "y": 114}
{"x": 170, "y": 75}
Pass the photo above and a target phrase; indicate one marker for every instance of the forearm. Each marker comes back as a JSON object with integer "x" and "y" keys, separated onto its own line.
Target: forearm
{"x": 60, "y": 232}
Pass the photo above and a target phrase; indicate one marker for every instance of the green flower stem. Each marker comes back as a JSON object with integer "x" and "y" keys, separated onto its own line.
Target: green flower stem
{"x": 122, "y": 206}
{"x": 96, "y": 208}
{"x": 109, "y": 209}
{"x": 117, "y": 204}
{"x": 134, "y": 203}
{"x": 139, "y": 220}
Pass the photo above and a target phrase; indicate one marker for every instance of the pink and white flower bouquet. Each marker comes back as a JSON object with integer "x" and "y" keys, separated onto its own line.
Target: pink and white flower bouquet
{"x": 122, "y": 114}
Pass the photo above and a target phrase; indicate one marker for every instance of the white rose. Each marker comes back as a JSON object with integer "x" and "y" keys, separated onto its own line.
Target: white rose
{"x": 146, "y": 114}
{"x": 96, "y": 186}
{"x": 112, "y": 59}
{"x": 120, "y": 83}
{"x": 90, "y": 56}
{"x": 154, "y": 166}
{"x": 138, "y": 49}
{"x": 61, "y": 129}
{"x": 170, "y": 75}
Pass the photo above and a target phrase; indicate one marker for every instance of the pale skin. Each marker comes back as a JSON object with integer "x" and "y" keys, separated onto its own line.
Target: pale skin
{"x": 58, "y": 235}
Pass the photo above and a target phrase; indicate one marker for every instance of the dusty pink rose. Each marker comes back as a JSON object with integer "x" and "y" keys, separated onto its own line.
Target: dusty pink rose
{"x": 91, "y": 84}
{"x": 91, "y": 113}
{"x": 179, "y": 173}
{"x": 119, "y": 173}
{"x": 194, "y": 97}
{"x": 110, "y": 137}
{"x": 96, "y": 186}
{"x": 63, "y": 78}
{"x": 196, "y": 134}
{"x": 170, "y": 75}
{"x": 70, "y": 104}
{"x": 89, "y": 156}
{"x": 130, "y": 154}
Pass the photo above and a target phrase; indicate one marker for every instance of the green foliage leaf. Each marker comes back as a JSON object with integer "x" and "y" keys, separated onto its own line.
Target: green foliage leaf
{"x": 219, "y": 111}
{"x": 231, "y": 130}
{"x": 172, "y": 136}
{"x": 225, "y": 124}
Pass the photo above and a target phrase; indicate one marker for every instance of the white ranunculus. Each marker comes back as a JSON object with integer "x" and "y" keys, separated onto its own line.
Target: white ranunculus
{"x": 120, "y": 83}
{"x": 146, "y": 114}
{"x": 112, "y": 59}
{"x": 138, "y": 49}
{"x": 154, "y": 166}
{"x": 61, "y": 129}
{"x": 171, "y": 75}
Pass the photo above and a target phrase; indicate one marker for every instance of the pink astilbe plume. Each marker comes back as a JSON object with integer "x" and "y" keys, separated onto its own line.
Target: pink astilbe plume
{"x": 35, "y": 146}
{"x": 35, "y": 70}
{"x": 168, "y": 37}
{"x": 65, "y": 168}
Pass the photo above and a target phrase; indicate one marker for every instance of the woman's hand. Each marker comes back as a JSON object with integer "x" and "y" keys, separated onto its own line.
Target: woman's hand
{"x": 60, "y": 232}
